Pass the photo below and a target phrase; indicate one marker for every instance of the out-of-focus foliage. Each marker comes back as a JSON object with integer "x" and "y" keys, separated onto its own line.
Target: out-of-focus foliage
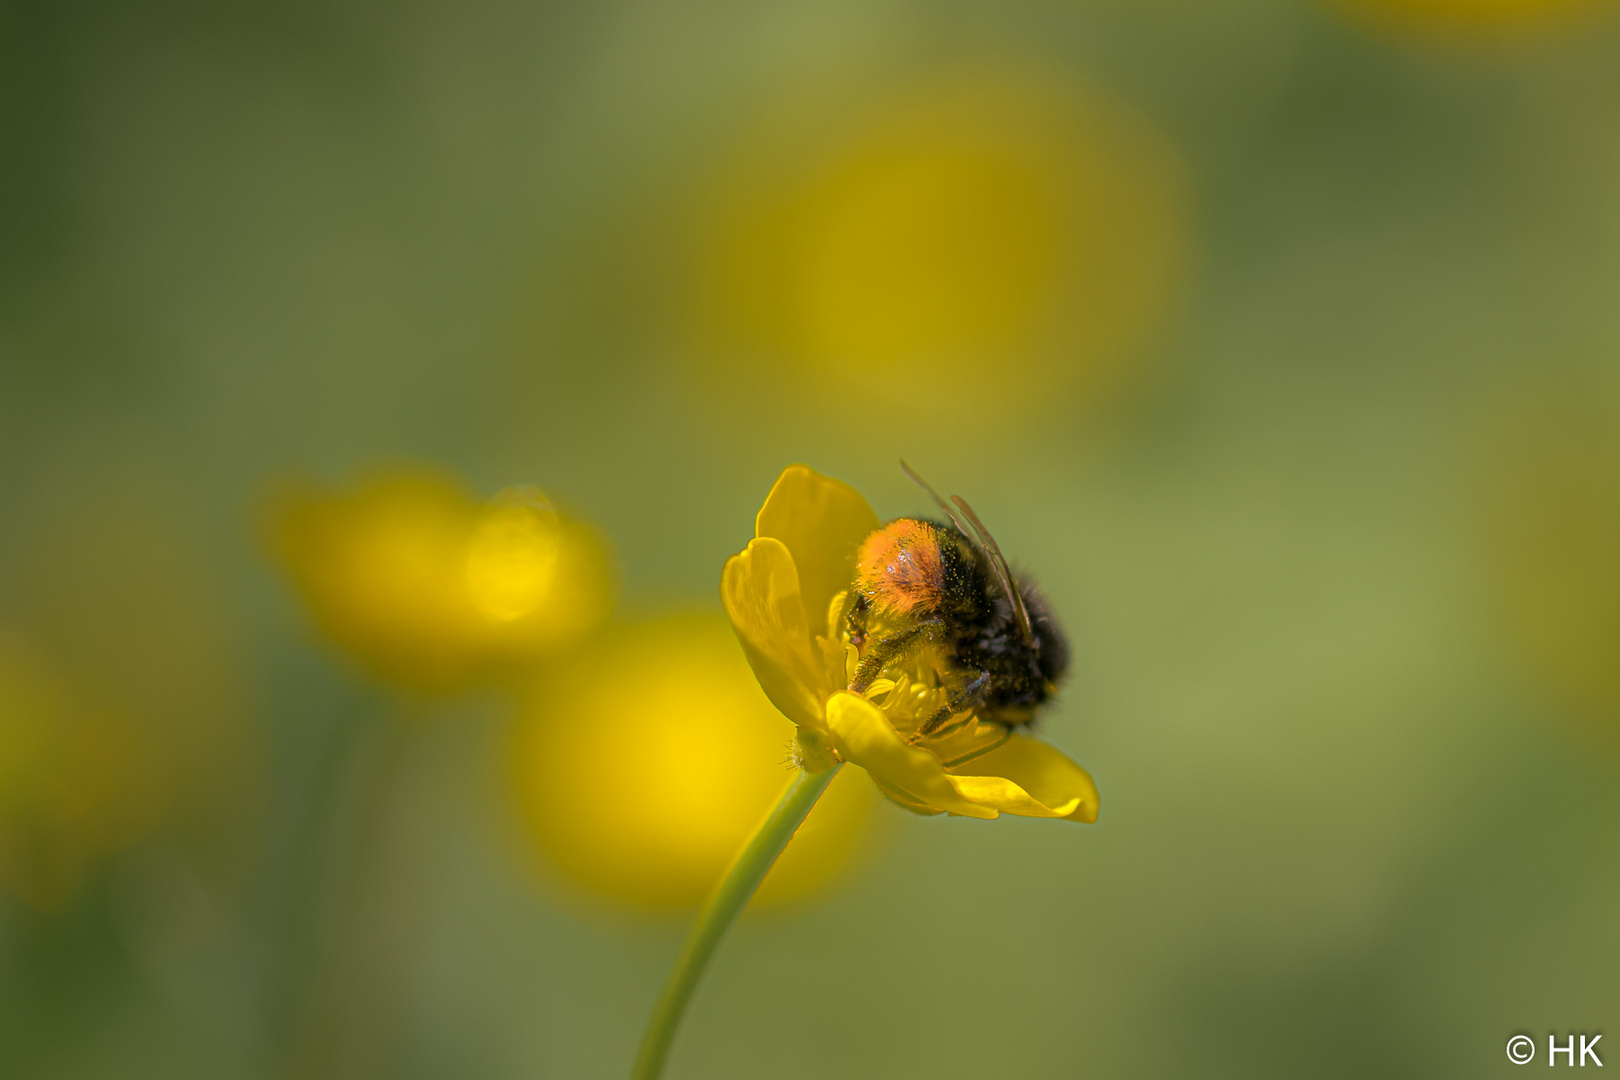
{"x": 642, "y": 254}
{"x": 430, "y": 590}
{"x": 995, "y": 232}
{"x": 644, "y": 762}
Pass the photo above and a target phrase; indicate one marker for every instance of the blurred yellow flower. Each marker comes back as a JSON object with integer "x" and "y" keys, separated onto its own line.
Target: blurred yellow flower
{"x": 77, "y": 778}
{"x": 119, "y": 713}
{"x": 791, "y": 581}
{"x": 430, "y": 590}
{"x": 1554, "y": 486}
{"x": 1477, "y": 19}
{"x": 644, "y": 764}
{"x": 991, "y": 232}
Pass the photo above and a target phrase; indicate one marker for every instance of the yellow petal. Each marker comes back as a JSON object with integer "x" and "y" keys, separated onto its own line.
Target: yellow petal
{"x": 760, "y": 590}
{"x": 1030, "y": 778}
{"x": 900, "y": 798}
{"x": 822, "y": 521}
{"x": 863, "y": 735}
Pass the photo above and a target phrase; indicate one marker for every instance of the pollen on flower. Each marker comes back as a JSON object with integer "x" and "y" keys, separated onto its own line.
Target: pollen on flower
{"x": 911, "y": 690}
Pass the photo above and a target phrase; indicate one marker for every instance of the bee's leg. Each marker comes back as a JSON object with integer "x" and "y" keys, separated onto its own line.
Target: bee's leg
{"x": 882, "y": 653}
{"x": 979, "y": 752}
{"x": 855, "y": 621}
{"x": 963, "y": 699}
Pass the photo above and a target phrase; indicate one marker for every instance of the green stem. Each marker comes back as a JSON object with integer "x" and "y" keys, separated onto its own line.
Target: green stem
{"x": 724, "y": 905}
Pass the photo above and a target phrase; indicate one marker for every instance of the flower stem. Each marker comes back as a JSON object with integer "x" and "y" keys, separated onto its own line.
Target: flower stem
{"x": 724, "y": 905}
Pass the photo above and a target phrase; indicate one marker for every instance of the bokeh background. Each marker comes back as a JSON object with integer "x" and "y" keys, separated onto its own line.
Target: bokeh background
{"x": 1279, "y": 339}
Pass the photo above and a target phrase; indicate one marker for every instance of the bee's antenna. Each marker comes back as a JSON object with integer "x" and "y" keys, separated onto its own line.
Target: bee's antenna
{"x": 943, "y": 505}
{"x": 998, "y": 562}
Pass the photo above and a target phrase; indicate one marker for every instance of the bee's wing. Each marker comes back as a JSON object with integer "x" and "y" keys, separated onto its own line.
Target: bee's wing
{"x": 998, "y": 562}
{"x": 943, "y": 505}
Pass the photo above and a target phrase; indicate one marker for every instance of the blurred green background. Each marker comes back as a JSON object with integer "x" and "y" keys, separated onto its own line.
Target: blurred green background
{"x": 1278, "y": 340}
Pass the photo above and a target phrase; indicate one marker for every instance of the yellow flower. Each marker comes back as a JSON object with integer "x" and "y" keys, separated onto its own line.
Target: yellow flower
{"x": 988, "y": 222}
{"x": 786, "y": 594}
{"x": 430, "y": 590}
{"x": 1476, "y": 19}
{"x": 643, "y": 764}
{"x": 120, "y": 708}
{"x": 1554, "y": 543}
{"x": 78, "y": 780}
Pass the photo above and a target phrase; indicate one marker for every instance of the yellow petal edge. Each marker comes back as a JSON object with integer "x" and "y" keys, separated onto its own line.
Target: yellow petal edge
{"x": 1030, "y": 778}
{"x": 760, "y": 590}
{"x": 863, "y": 735}
{"x": 821, "y": 521}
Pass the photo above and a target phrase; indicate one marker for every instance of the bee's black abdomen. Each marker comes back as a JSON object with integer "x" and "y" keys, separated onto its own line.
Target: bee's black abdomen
{"x": 983, "y": 630}
{"x": 1053, "y": 657}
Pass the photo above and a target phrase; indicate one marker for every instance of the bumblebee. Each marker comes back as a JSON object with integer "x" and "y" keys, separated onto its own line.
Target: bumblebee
{"x": 920, "y": 582}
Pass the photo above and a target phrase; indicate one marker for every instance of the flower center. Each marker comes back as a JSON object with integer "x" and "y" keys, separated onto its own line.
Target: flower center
{"x": 912, "y": 690}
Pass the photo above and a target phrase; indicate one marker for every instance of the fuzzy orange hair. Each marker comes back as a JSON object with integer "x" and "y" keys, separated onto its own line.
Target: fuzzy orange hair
{"x": 900, "y": 568}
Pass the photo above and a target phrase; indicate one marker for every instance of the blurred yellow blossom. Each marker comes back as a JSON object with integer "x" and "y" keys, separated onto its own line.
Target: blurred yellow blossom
{"x": 989, "y": 231}
{"x": 1554, "y": 489}
{"x": 513, "y": 554}
{"x": 790, "y": 583}
{"x": 432, "y": 591}
{"x": 118, "y": 706}
{"x": 644, "y": 764}
{"x": 77, "y": 779}
{"x": 1472, "y": 19}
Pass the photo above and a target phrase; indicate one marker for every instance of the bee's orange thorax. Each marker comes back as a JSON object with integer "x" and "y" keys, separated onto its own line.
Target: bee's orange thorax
{"x": 900, "y": 567}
